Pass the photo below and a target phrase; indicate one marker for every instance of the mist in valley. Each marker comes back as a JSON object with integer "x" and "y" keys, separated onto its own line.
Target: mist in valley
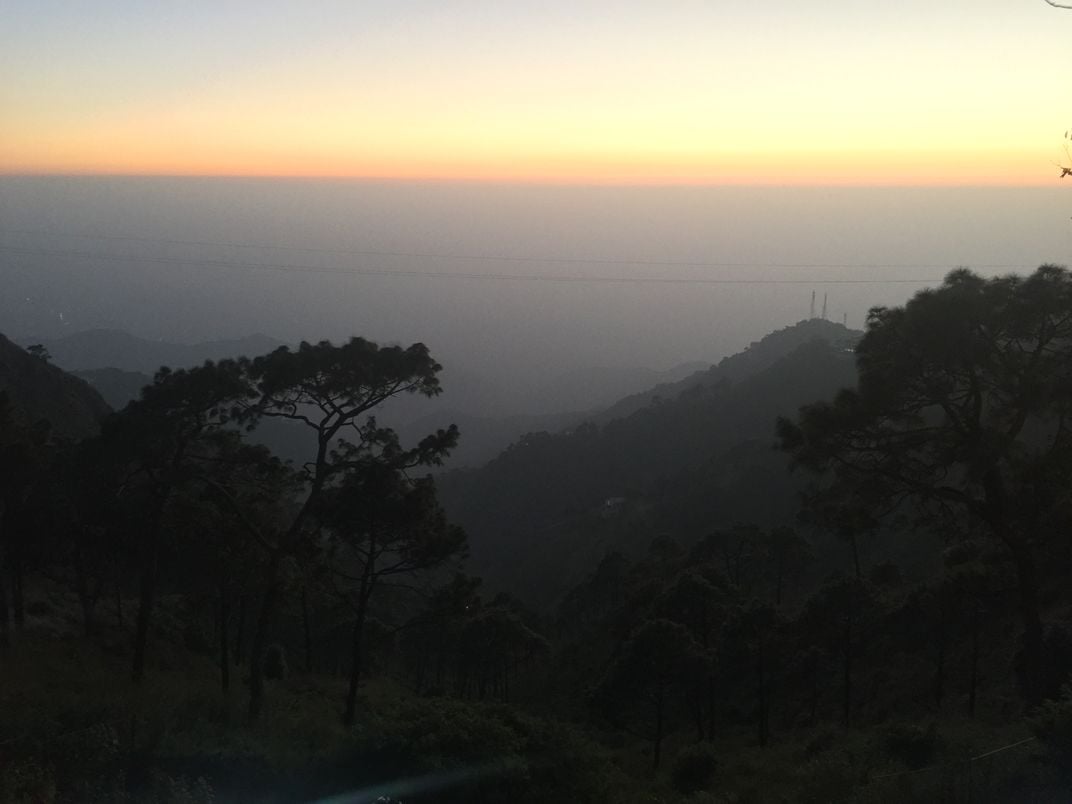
{"x": 535, "y": 299}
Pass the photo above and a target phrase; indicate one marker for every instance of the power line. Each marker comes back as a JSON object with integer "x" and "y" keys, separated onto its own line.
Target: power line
{"x": 429, "y": 255}
{"x": 297, "y": 268}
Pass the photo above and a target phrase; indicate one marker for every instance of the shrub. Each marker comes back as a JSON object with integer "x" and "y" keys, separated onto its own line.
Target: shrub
{"x": 824, "y": 781}
{"x": 694, "y": 766}
{"x": 195, "y": 640}
{"x": 820, "y": 743}
{"x": 913, "y": 745}
{"x": 1052, "y": 725}
{"x": 275, "y": 663}
{"x": 27, "y": 780}
{"x": 885, "y": 574}
{"x": 39, "y": 608}
{"x": 1057, "y": 660}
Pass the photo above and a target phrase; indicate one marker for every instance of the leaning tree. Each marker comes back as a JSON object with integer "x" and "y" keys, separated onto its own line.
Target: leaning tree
{"x": 329, "y": 392}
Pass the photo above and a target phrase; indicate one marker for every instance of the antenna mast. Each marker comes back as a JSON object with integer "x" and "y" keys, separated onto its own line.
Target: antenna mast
{"x": 824, "y": 307}
{"x": 812, "y": 313}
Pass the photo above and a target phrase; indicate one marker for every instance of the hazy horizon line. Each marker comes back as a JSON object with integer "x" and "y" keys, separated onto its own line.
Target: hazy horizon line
{"x": 532, "y": 181}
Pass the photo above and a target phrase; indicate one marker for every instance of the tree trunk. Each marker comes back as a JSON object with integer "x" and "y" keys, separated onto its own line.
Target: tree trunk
{"x": 711, "y": 708}
{"x": 307, "y": 628}
{"x": 855, "y": 557}
{"x": 778, "y": 579}
{"x": 146, "y": 602}
{"x": 1024, "y": 559}
{"x": 150, "y": 561}
{"x": 84, "y": 597}
{"x": 973, "y": 680}
{"x": 118, "y": 603}
{"x": 260, "y": 639}
{"x": 150, "y": 564}
{"x": 271, "y": 595}
{"x": 657, "y": 748}
{"x": 225, "y": 641}
{"x": 763, "y": 725}
{"x": 1032, "y": 622}
{"x": 939, "y": 671}
{"x": 88, "y": 607}
{"x": 5, "y": 613}
{"x": 365, "y": 592}
{"x": 17, "y": 598}
{"x": 356, "y": 657}
{"x": 240, "y": 635}
{"x": 847, "y": 690}
{"x": 814, "y": 703}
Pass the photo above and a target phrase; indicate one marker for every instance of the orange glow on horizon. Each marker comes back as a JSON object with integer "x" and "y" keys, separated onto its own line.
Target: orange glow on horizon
{"x": 803, "y": 169}
{"x": 705, "y": 93}
{"x": 313, "y": 135}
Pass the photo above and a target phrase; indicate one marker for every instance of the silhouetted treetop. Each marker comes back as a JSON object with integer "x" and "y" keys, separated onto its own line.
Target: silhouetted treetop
{"x": 353, "y": 377}
{"x": 961, "y": 410}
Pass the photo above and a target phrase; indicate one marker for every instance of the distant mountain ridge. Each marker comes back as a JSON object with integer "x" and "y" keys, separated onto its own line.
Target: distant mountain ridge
{"x": 490, "y": 415}
{"x": 39, "y": 390}
{"x": 118, "y": 349}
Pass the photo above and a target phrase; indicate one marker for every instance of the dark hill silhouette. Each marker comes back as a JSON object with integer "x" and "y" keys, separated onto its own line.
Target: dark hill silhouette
{"x": 484, "y": 437}
{"x": 112, "y": 348}
{"x": 490, "y": 423}
{"x": 40, "y": 390}
{"x": 118, "y": 387}
{"x": 756, "y": 357}
{"x": 544, "y": 512}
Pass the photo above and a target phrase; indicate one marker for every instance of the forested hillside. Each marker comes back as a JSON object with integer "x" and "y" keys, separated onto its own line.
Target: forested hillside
{"x": 751, "y": 360}
{"x": 41, "y": 392}
{"x": 833, "y": 568}
{"x": 698, "y": 456}
{"x": 116, "y": 386}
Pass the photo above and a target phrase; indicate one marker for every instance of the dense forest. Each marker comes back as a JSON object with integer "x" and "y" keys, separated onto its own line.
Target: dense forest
{"x": 832, "y": 567}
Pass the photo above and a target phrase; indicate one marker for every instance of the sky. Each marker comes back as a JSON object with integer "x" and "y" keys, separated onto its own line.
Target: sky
{"x": 836, "y": 92}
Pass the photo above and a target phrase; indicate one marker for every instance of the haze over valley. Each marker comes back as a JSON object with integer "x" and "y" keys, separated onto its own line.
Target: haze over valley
{"x": 536, "y": 299}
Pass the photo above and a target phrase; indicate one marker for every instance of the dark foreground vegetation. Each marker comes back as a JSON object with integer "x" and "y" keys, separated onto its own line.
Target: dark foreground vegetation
{"x": 703, "y": 594}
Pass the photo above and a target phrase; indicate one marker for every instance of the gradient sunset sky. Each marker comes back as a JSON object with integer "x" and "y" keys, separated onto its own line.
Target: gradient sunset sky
{"x": 681, "y": 91}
